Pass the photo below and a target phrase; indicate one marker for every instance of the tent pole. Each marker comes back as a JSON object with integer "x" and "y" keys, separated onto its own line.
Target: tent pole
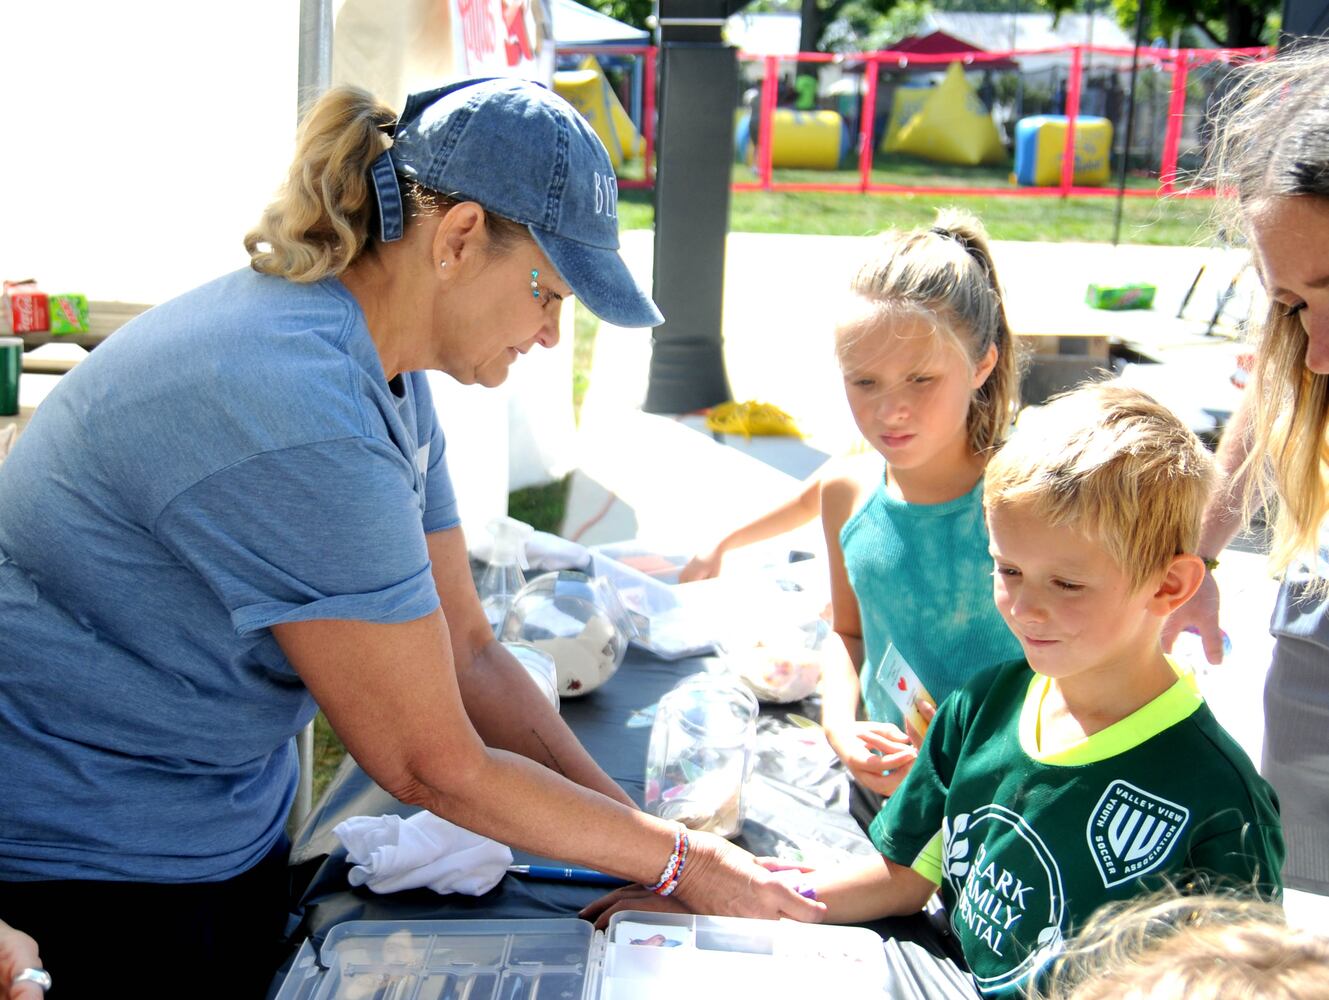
{"x": 315, "y": 72}
{"x": 313, "y": 77}
{"x": 1130, "y": 123}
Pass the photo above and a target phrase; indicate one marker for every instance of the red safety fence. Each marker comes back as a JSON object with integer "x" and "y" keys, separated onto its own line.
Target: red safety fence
{"x": 1177, "y": 64}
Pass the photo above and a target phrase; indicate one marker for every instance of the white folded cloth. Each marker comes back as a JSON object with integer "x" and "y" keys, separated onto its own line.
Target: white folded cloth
{"x": 391, "y": 853}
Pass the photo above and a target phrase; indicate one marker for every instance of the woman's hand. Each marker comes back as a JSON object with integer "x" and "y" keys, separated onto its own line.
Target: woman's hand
{"x": 880, "y": 772}
{"x": 720, "y": 879}
{"x": 17, "y": 952}
{"x": 1201, "y": 614}
{"x": 703, "y": 566}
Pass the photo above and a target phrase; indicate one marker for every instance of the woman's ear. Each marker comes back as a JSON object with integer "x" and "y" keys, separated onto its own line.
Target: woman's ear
{"x": 984, "y": 367}
{"x": 461, "y": 236}
{"x": 1179, "y": 581}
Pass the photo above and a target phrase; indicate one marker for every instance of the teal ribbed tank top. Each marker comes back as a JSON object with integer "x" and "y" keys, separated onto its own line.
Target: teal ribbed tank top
{"x": 923, "y": 578}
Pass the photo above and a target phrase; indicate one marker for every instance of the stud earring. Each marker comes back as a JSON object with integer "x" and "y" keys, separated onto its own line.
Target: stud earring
{"x": 535, "y": 286}
{"x": 442, "y": 263}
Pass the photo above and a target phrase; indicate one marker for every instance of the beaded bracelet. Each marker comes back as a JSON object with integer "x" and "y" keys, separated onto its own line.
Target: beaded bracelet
{"x": 672, "y": 884}
{"x": 674, "y": 868}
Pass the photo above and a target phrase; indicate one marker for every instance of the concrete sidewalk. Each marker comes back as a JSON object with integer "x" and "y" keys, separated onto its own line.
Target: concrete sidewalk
{"x": 662, "y": 480}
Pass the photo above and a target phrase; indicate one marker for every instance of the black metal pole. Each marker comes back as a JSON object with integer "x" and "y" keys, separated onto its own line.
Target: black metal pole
{"x": 1130, "y": 121}
{"x": 698, "y": 90}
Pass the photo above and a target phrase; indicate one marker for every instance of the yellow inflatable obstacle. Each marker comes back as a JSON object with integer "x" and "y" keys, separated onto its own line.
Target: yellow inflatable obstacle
{"x": 905, "y": 104}
{"x": 588, "y": 91}
{"x": 951, "y": 126}
{"x": 1040, "y": 145}
{"x": 807, "y": 139}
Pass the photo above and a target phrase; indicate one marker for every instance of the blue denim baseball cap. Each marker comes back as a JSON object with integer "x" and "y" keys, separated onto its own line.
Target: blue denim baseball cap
{"x": 526, "y": 154}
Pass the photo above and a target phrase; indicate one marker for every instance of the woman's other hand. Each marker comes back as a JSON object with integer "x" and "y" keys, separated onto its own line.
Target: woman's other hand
{"x": 630, "y": 897}
{"x": 1200, "y": 613}
{"x": 18, "y": 951}
{"x": 880, "y": 772}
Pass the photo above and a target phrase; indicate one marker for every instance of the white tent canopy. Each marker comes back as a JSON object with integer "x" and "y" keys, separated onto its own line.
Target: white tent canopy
{"x": 576, "y": 24}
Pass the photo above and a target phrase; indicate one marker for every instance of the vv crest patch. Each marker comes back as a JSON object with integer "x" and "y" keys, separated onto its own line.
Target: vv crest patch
{"x": 1131, "y": 832}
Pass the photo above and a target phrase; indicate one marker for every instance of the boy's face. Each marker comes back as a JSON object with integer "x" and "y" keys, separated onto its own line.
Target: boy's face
{"x": 1067, "y": 601}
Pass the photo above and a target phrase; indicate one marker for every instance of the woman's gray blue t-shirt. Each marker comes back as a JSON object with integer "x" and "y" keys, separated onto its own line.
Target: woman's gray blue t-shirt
{"x": 232, "y": 459}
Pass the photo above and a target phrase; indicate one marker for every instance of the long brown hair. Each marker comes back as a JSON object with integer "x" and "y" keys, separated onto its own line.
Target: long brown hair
{"x": 1273, "y": 141}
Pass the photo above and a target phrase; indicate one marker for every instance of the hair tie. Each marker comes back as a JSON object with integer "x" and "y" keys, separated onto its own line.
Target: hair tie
{"x": 959, "y": 238}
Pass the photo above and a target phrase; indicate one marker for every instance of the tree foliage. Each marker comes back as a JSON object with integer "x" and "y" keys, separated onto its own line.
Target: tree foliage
{"x": 633, "y": 12}
{"x": 1233, "y": 23}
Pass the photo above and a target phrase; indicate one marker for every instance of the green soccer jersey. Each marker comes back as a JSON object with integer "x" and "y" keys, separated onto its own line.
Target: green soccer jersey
{"x": 1026, "y": 844}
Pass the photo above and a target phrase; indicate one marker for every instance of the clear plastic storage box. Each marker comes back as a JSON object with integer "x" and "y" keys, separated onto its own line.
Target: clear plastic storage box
{"x": 642, "y": 956}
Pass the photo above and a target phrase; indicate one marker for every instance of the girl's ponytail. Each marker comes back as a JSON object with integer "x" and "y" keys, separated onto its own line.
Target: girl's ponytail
{"x": 946, "y": 274}
{"x": 996, "y": 400}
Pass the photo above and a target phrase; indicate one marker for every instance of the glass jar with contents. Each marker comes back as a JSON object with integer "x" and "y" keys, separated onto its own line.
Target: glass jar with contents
{"x": 701, "y": 754}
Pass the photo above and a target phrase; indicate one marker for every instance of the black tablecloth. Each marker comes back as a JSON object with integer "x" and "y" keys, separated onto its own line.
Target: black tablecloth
{"x": 798, "y": 801}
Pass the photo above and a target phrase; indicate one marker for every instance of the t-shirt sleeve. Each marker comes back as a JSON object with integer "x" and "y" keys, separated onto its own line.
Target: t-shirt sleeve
{"x": 1245, "y": 856}
{"x": 326, "y": 530}
{"x": 907, "y": 828}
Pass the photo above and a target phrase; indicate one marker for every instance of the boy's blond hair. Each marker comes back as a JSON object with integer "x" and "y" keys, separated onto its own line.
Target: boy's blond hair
{"x": 1204, "y": 947}
{"x": 1110, "y": 462}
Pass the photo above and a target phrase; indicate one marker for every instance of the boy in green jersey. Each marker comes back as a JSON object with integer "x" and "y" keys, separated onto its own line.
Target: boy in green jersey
{"x": 1092, "y": 770}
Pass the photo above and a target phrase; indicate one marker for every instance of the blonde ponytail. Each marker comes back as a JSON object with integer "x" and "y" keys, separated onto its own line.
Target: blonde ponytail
{"x": 320, "y": 219}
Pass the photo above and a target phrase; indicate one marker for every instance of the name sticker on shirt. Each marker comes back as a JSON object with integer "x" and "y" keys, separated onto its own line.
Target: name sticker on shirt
{"x": 1131, "y": 832}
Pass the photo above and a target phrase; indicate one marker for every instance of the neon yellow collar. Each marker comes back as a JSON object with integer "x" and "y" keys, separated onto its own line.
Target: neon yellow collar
{"x": 1172, "y": 706}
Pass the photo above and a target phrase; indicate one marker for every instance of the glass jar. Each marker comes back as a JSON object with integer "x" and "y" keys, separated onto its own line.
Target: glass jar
{"x": 701, "y": 754}
{"x": 576, "y": 619}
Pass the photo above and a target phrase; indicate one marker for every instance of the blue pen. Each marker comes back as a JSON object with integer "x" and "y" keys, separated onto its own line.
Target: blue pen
{"x": 552, "y": 874}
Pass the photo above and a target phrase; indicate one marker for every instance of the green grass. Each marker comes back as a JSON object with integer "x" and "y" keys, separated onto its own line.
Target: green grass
{"x": 1167, "y": 222}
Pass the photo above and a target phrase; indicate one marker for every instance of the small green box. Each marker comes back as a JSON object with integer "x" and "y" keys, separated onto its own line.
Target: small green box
{"x": 69, "y": 314}
{"x": 1138, "y": 296}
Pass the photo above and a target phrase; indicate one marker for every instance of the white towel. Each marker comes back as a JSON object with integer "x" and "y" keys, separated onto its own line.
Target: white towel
{"x": 391, "y": 853}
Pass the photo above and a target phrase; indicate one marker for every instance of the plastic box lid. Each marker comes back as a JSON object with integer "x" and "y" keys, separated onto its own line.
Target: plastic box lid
{"x": 642, "y": 956}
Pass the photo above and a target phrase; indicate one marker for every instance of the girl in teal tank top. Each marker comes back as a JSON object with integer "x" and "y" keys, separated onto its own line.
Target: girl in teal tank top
{"x": 930, "y": 375}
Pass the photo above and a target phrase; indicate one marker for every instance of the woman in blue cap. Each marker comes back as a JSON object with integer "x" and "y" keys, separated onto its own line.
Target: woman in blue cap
{"x": 249, "y": 489}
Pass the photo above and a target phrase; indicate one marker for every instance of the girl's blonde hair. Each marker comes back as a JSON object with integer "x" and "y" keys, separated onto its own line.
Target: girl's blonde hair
{"x": 323, "y": 216}
{"x": 946, "y": 276}
{"x": 1217, "y": 946}
{"x": 1273, "y": 141}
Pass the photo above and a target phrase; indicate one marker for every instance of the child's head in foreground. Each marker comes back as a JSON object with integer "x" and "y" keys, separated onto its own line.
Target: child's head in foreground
{"x": 1206, "y": 947}
{"x": 927, "y": 355}
{"x": 1093, "y": 509}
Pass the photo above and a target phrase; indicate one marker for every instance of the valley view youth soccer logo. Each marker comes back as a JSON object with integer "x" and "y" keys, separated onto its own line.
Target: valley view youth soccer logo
{"x": 1132, "y": 831}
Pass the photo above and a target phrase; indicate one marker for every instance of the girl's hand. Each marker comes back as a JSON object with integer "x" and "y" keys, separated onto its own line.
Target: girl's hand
{"x": 705, "y": 566}
{"x": 879, "y": 772}
{"x": 1201, "y": 614}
